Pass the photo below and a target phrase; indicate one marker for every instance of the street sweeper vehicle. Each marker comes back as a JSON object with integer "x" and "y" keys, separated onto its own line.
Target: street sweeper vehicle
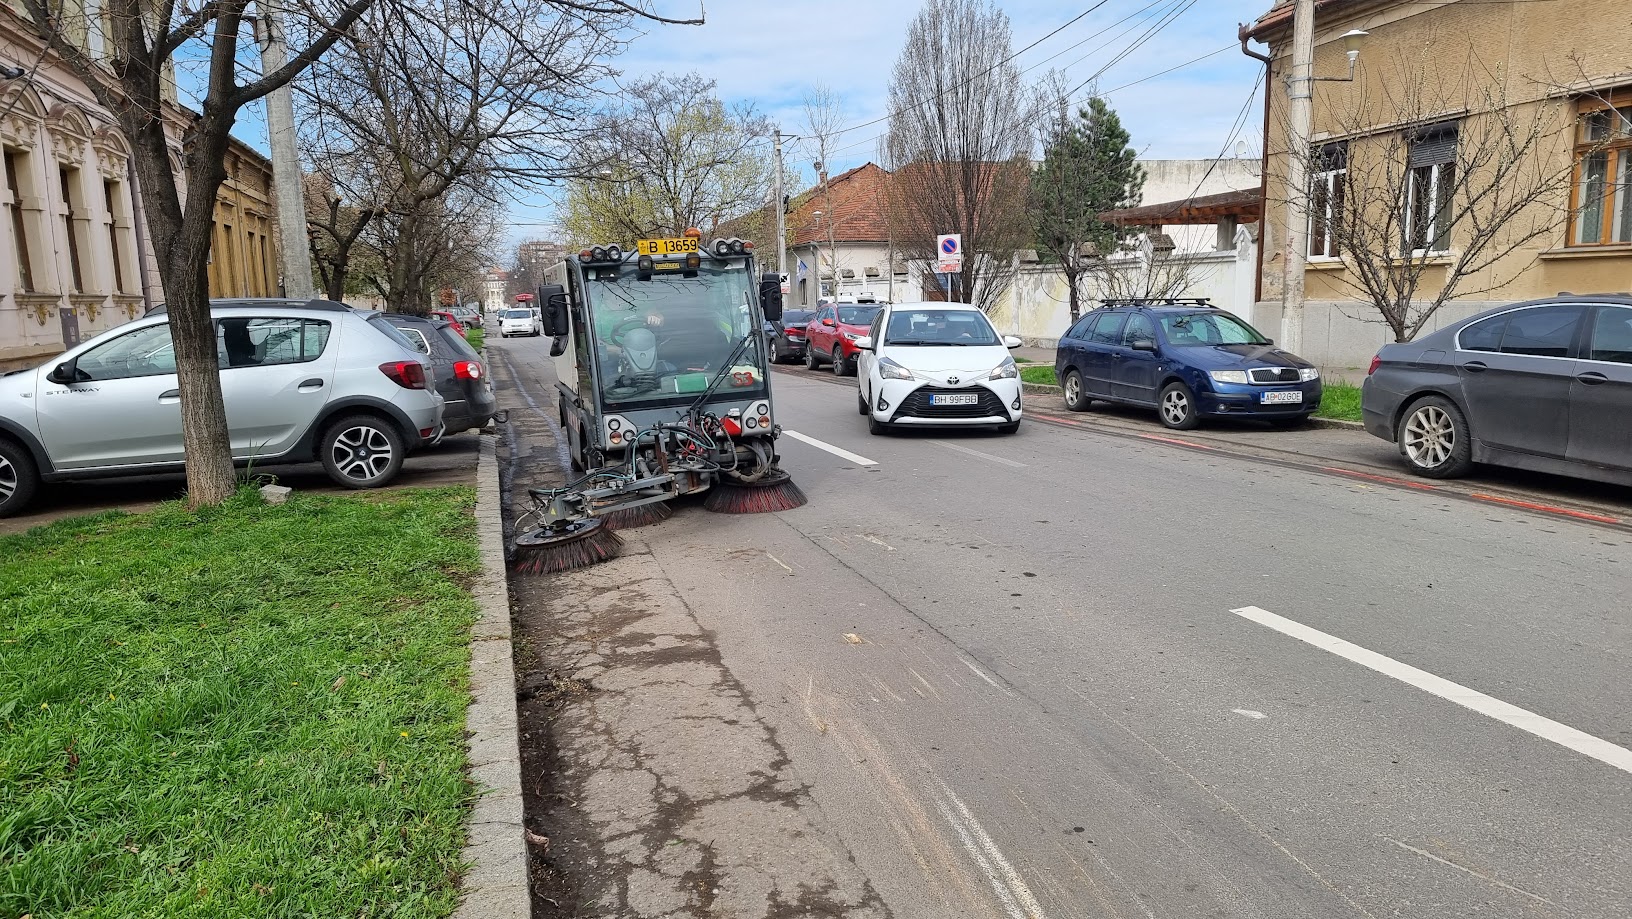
{"x": 663, "y": 391}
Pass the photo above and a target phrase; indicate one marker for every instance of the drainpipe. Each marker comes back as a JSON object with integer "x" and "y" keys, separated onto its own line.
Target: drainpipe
{"x": 1244, "y": 32}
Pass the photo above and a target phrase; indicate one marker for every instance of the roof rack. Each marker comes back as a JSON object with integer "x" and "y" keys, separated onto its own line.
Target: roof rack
{"x": 1158, "y": 301}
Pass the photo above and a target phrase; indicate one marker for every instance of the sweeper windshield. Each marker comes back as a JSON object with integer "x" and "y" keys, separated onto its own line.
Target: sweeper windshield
{"x": 667, "y": 335}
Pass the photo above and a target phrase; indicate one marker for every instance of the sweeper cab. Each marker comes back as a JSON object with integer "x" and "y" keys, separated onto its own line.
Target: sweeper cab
{"x": 663, "y": 390}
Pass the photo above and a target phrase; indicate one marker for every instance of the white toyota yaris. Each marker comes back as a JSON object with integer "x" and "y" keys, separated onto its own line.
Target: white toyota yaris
{"x": 938, "y": 364}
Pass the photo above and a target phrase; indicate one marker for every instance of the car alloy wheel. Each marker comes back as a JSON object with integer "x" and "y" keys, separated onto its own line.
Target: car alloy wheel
{"x": 362, "y": 451}
{"x": 18, "y": 478}
{"x": 1434, "y": 439}
{"x": 838, "y": 361}
{"x": 810, "y": 358}
{"x": 1075, "y": 399}
{"x": 1177, "y": 407}
{"x": 774, "y": 353}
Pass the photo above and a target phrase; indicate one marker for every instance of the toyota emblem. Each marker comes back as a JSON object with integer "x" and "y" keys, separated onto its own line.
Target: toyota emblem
{"x": 952, "y": 380}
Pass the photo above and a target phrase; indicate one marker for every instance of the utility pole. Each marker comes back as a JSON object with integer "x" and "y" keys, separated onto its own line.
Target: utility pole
{"x": 286, "y": 184}
{"x": 781, "y": 215}
{"x": 1299, "y": 91}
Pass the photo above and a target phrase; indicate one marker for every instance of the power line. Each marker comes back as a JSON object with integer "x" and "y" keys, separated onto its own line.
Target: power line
{"x": 1150, "y": 33}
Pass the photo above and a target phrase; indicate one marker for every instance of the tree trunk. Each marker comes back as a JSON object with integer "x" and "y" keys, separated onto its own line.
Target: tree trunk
{"x": 182, "y": 240}
{"x": 1074, "y": 298}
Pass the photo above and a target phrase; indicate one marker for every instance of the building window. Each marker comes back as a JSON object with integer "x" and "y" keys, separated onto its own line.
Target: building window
{"x": 16, "y": 169}
{"x": 1331, "y": 166}
{"x": 76, "y": 272}
{"x": 116, "y": 228}
{"x": 1602, "y": 197}
{"x": 1430, "y": 187}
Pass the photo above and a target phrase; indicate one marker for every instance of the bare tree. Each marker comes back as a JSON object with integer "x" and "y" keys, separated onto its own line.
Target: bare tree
{"x": 960, "y": 132}
{"x": 430, "y": 96}
{"x": 665, "y": 156}
{"x": 1424, "y": 208}
{"x": 1140, "y": 266}
{"x": 334, "y": 227}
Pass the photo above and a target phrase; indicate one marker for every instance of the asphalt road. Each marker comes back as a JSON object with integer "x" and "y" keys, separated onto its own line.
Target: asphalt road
{"x": 1065, "y": 674}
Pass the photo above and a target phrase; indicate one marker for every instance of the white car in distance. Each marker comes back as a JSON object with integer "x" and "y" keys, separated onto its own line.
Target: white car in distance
{"x": 937, "y": 364}
{"x": 519, "y": 320}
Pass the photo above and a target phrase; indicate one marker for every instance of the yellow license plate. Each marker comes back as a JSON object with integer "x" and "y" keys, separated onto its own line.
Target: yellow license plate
{"x": 666, "y": 246}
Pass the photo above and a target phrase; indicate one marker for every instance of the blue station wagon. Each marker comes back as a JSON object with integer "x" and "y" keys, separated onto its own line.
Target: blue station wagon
{"x": 1188, "y": 361}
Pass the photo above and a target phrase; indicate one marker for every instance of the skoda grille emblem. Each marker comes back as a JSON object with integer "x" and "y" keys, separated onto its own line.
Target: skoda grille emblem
{"x": 952, "y": 380}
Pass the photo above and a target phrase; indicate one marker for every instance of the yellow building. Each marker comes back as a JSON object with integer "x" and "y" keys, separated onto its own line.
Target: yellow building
{"x": 75, "y": 257}
{"x": 1487, "y": 146}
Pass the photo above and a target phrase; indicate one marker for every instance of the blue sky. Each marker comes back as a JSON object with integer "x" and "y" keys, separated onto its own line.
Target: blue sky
{"x": 771, "y": 54}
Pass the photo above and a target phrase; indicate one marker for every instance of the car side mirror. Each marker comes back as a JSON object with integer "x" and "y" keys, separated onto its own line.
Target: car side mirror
{"x": 829, "y": 323}
{"x": 558, "y": 346}
{"x": 1142, "y": 344}
{"x": 64, "y": 373}
{"x": 552, "y": 299}
{"x": 770, "y": 296}
{"x": 1010, "y": 342}
{"x": 864, "y": 343}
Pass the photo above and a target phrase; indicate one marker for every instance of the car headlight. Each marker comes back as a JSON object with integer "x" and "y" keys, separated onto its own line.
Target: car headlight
{"x": 850, "y": 336}
{"x": 1228, "y": 376}
{"x": 890, "y": 370}
{"x": 1307, "y": 374}
{"x": 1004, "y": 371}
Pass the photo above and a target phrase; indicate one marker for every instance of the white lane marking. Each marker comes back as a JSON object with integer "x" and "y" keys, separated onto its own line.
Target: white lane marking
{"x": 1545, "y": 728}
{"x": 1249, "y": 713}
{"x": 1481, "y": 876}
{"x": 1017, "y": 899}
{"x": 877, "y": 542}
{"x": 976, "y": 453}
{"x": 836, "y": 451}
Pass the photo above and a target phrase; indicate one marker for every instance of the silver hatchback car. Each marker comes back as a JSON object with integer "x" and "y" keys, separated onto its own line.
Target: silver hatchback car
{"x": 301, "y": 381}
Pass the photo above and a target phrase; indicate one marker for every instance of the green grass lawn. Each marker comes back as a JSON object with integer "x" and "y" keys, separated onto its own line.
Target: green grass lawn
{"x": 244, "y": 711}
{"x": 476, "y": 337}
{"x": 1340, "y": 401}
{"x": 1035, "y": 374}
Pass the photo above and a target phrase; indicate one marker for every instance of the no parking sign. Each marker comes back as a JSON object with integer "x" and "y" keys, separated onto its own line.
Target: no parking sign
{"x": 949, "y": 253}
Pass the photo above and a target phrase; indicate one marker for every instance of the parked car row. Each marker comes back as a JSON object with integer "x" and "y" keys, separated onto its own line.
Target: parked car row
{"x": 302, "y": 381}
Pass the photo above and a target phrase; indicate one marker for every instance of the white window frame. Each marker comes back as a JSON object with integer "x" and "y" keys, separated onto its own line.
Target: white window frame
{"x": 1330, "y": 179}
{"x": 1411, "y": 184}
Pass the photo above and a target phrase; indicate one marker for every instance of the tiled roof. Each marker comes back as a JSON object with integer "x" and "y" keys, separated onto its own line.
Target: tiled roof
{"x": 855, "y": 203}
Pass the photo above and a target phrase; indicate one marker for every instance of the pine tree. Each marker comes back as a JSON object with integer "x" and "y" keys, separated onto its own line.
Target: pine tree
{"x": 1087, "y": 169}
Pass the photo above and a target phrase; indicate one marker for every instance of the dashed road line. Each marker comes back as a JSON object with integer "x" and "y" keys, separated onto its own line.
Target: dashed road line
{"x": 836, "y": 451}
{"x": 1528, "y": 721}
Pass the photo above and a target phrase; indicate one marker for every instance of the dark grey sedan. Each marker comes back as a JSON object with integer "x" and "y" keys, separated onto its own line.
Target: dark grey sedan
{"x": 461, "y": 377}
{"x": 1544, "y": 385}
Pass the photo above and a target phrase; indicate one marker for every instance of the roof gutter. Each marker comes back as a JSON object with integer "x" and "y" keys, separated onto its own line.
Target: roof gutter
{"x": 1244, "y": 33}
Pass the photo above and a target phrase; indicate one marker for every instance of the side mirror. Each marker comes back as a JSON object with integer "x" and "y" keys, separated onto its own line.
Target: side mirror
{"x": 829, "y": 323}
{"x": 1142, "y": 344}
{"x": 1010, "y": 342}
{"x": 770, "y": 296}
{"x": 552, "y": 299}
{"x": 64, "y": 373}
{"x": 558, "y": 346}
{"x": 864, "y": 343}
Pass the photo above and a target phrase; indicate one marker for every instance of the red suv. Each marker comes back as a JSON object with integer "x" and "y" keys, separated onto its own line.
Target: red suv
{"x": 831, "y": 336}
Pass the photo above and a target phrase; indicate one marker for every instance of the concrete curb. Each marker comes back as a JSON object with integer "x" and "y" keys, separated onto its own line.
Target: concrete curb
{"x": 1041, "y": 389}
{"x": 1339, "y": 424}
{"x": 495, "y": 879}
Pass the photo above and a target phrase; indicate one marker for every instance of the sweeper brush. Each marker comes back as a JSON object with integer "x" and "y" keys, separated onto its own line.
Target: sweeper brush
{"x": 640, "y": 515}
{"x": 775, "y": 492}
{"x": 577, "y": 545}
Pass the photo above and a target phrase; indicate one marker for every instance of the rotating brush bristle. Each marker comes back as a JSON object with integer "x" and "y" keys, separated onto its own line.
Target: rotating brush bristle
{"x": 764, "y": 497}
{"x": 639, "y": 516}
{"x": 587, "y": 543}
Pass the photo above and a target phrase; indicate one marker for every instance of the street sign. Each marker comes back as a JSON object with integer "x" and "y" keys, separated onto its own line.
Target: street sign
{"x": 949, "y": 253}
